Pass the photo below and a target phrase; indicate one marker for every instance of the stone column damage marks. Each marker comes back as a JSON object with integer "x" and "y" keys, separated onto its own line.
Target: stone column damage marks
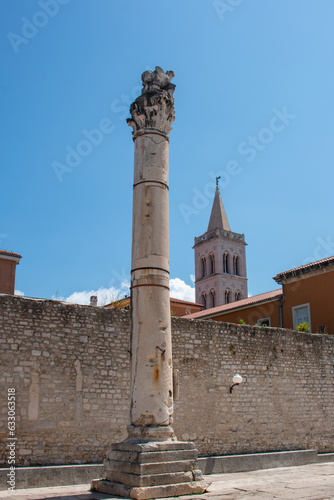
{"x": 151, "y": 463}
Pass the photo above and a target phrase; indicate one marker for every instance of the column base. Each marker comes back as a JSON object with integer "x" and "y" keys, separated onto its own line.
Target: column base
{"x": 149, "y": 492}
{"x": 150, "y": 433}
{"x": 148, "y": 470}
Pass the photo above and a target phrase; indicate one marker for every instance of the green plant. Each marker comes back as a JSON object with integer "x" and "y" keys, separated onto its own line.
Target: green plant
{"x": 303, "y": 327}
{"x": 242, "y": 322}
{"x": 232, "y": 349}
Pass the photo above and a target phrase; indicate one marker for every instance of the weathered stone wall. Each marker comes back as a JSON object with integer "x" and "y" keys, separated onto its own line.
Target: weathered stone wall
{"x": 285, "y": 403}
{"x": 69, "y": 365}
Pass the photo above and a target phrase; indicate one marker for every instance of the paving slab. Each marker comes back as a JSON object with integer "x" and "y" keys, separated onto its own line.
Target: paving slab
{"x": 305, "y": 482}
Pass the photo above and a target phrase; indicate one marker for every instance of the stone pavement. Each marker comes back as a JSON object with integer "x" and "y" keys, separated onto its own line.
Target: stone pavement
{"x": 305, "y": 482}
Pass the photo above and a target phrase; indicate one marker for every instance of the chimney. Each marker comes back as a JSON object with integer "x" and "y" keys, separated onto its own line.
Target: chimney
{"x": 93, "y": 300}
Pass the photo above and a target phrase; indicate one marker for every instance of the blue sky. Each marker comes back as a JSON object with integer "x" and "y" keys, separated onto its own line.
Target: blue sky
{"x": 253, "y": 103}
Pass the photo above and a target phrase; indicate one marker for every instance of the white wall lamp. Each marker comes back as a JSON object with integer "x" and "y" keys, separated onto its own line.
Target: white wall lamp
{"x": 237, "y": 379}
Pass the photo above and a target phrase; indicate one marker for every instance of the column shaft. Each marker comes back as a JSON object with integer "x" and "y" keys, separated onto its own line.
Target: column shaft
{"x": 151, "y": 367}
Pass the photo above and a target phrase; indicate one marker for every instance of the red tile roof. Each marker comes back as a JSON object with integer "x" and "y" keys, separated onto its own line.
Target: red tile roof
{"x": 319, "y": 264}
{"x": 185, "y": 302}
{"x": 10, "y": 254}
{"x": 215, "y": 311}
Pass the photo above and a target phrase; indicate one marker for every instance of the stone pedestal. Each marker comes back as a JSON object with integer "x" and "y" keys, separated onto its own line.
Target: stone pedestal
{"x": 151, "y": 463}
{"x": 151, "y": 470}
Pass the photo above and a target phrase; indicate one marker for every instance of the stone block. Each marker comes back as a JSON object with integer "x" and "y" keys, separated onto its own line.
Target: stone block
{"x": 151, "y": 457}
{"x": 239, "y": 463}
{"x": 150, "y": 480}
{"x": 149, "y": 492}
{"x": 153, "y": 468}
{"x": 256, "y": 461}
{"x": 288, "y": 458}
{"x": 38, "y": 477}
{"x": 152, "y": 446}
{"x": 326, "y": 457}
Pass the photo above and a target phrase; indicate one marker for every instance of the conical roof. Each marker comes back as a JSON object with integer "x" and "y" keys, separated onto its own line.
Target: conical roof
{"x": 218, "y": 218}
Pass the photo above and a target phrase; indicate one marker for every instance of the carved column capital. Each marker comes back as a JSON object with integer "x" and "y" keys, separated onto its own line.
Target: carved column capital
{"x": 153, "y": 110}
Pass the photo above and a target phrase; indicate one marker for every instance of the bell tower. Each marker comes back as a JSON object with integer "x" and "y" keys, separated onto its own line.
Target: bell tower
{"x": 220, "y": 260}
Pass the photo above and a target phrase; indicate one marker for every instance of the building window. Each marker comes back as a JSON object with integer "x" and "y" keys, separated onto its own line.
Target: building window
{"x": 204, "y": 300}
{"x": 226, "y": 263}
{"x": 301, "y": 314}
{"x": 213, "y": 296}
{"x": 227, "y": 296}
{"x": 263, "y": 322}
{"x": 237, "y": 296}
{"x": 203, "y": 267}
{"x": 212, "y": 263}
{"x": 236, "y": 265}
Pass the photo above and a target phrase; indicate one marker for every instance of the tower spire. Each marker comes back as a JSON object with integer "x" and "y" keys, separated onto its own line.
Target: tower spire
{"x": 218, "y": 218}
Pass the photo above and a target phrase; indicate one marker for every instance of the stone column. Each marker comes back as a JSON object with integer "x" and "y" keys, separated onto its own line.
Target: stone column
{"x": 151, "y": 367}
{"x": 151, "y": 463}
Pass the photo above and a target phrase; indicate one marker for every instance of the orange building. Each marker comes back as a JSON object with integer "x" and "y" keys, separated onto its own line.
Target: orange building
{"x": 178, "y": 307}
{"x": 260, "y": 309}
{"x": 8, "y": 263}
{"x": 306, "y": 296}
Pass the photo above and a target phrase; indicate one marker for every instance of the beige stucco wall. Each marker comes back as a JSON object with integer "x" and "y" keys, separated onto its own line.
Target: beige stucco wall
{"x": 69, "y": 365}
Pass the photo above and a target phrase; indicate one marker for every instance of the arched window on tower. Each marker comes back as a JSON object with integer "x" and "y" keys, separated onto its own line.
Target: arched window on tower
{"x": 226, "y": 262}
{"x": 203, "y": 259}
{"x": 237, "y": 296}
{"x": 236, "y": 265}
{"x": 213, "y": 298}
{"x": 203, "y": 297}
{"x": 227, "y": 296}
{"x": 212, "y": 263}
